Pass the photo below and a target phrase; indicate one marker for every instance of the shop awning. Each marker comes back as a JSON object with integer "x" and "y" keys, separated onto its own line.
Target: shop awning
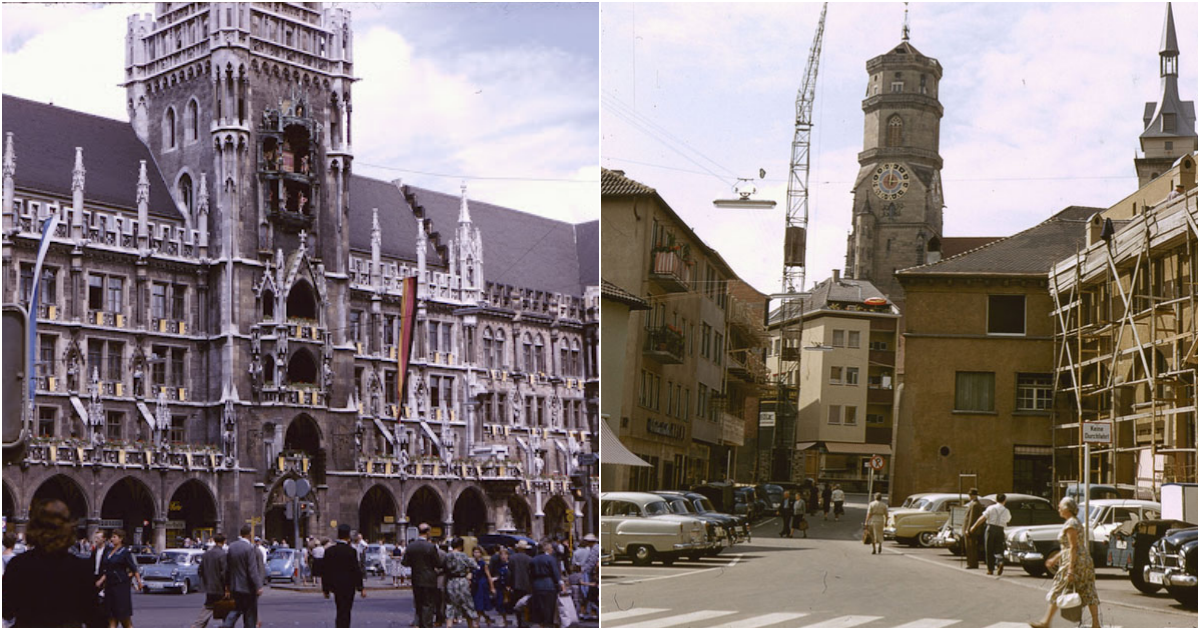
{"x": 612, "y": 451}
{"x": 79, "y": 408}
{"x": 384, "y": 430}
{"x": 149, "y": 417}
{"x": 804, "y": 446}
{"x": 854, "y": 448}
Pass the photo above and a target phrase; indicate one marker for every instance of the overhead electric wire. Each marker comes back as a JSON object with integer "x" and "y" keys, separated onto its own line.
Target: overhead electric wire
{"x": 625, "y": 108}
{"x": 479, "y": 177}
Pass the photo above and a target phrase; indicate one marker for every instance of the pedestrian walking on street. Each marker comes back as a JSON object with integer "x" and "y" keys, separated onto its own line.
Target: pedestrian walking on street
{"x": 481, "y": 585}
{"x": 877, "y": 512}
{"x": 120, "y": 573}
{"x": 970, "y": 536}
{"x": 996, "y": 517}
{"x": 47, "y": 586}
{"x": 422, "y": 557}
{"x": 460, "y": 601}
{"x": 1075, "y": 571}
{"x": 99, "y": 617}
{"x": 798, "y": 520}
{"x": 785, "y": 514}
{"x": 501, "y": 585}
{"x": 343, "y": 576}
{"x": 213, "y": 571}
{"x": 814, "y": 499}
{"x": 839, "y": 502}
{"x": 245, "y": 574}
{"x": 547, "y": 583}
{"x": 826, "y": 497}
{"x": 522, "y": 581}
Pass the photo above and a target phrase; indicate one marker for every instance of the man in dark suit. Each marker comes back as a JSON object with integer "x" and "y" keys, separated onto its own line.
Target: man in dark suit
{"x": 547, "y": 582}
{"x": 970, "y": 539}
{"x": 423, "y": 557}
{"x": 246, "y": 572}
{"x": 522, "y": 582}
{"x": 214, "y": 568}
{"x": 343, "y": 576}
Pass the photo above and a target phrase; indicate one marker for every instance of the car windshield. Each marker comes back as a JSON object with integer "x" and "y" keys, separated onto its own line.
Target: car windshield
{"x": 280, "y": 554}
{"x": 922, "y": 504}
{"x": 655, "y": 508}
{"x": 705, "y": 505}
{"x": 681, "y": 506}
{"x": 172, "y": 557}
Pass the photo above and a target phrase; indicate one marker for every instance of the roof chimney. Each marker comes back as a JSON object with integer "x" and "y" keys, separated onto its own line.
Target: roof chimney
{"x": 836, "y": 276}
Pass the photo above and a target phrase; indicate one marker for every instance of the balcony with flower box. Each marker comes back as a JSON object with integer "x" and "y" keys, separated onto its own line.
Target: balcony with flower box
{"x": 671, "y": 271}
{"x": 747, "y": 365}
{"x": 664, "y": 344}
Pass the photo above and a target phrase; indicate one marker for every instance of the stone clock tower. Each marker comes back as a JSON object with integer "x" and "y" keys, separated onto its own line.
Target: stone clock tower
{"x": 897, "y": 216}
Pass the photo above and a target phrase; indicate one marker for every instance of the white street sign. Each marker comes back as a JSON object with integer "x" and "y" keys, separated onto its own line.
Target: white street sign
{"x": 766, "y": 419}
{"x": 1097, "y": 432}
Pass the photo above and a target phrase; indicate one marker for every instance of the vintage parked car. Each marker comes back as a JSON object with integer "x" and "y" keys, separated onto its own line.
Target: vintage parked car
{"x": 1026, "y": 509}
{"x": 642, "y": 527}
{"x": 746, "y": 501}
{"x": 375, "y": 558}
{"x": 1129, "y": 548}
{"x": 487, "y": 541}
{"x": 282, "y": 565}
{"x": 176, "y": 569}
{"x": 737, "y": 526}
{"x": 772, "y": 494}
{"x": 714, "y": 528}
{"x": 1030, "y": 546}
{"x": 1172, "y": 563}
{"x": 919, "y": 524}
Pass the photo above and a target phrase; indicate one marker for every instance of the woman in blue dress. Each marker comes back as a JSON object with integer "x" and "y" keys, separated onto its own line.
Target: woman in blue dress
{"x": 481, "y": 585}
{"x": 120, "y": 570}
{"x": 501, "y": 584}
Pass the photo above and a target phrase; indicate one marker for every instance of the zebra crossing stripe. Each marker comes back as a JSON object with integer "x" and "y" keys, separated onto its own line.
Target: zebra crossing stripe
{"x": 929, "y": 623}
{"x": 763, "y": 620}
{"x": 676, "y": 620}
{"x": 632, "y": 612}
{"x": 849, "y": 621}
{"x": 1008, "y": 624}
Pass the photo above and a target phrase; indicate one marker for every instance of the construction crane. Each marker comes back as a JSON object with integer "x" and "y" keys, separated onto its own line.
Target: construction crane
{"x": 796, "y": 226}
{"x": 790, "y": 314}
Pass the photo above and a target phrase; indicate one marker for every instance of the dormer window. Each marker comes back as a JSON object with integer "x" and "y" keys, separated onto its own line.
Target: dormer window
{"x": 1168, "y": 122}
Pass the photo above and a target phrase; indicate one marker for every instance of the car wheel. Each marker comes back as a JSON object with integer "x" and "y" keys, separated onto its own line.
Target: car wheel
{"x": 187, "y": 587}
{"x": 1184, "y": 595}
{"x": 642, "y": 555}
{"x": 1139, "y": 582}
{"x": 1036, "y": 569}
{"x": 925, "y": 539}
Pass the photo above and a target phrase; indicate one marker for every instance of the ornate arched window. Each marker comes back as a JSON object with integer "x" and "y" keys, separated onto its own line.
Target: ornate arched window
{"x": 576, "y": 366}
{"x": 192, "y": 120}
{"x": 489, "y": 359}
{"x": 527, "y": 357}
{"x": 539, "y": 354}
{"x": 501, "y": 357}
{"x": 895, "y": 131}
{"x": 186, "y": 197}
{"x": 301, "y": 303}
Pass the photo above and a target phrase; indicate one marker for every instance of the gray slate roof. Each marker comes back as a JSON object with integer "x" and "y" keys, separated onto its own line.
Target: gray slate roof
{"x": 587, "y": 243}
{"x": 397, "y": 225}
{"x": 519, "y": 249}
{"x": 45, "y": 137}
{"x": 1031, "y": 252}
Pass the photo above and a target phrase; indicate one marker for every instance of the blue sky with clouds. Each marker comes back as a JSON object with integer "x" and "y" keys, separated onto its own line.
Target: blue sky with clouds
{"x": 1043, "y": 106}
{"x": 480, "y": 90}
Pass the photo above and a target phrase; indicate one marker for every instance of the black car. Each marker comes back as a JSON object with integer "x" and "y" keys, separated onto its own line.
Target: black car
{"x": 772, "y": 494}
{"x": 1129, "y": 548}
{"x": 719, "y": 537}
{"x": 1172, "y": 563}
{"x": 739, "y": 526}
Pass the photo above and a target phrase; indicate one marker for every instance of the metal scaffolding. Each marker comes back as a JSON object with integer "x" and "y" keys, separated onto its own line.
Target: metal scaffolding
{"x": 1125, "y": 348}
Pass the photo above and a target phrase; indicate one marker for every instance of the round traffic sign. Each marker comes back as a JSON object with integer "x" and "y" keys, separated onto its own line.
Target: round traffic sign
{"x": 877, "y": 462}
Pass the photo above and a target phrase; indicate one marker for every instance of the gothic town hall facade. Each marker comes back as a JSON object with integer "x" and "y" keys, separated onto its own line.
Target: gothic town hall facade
{"x": 219, "y": 308}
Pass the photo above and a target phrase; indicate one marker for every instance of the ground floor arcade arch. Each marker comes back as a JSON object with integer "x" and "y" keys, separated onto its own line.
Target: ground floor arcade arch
{"x": 377, "y": 516}
{"x": 129, "y": 505}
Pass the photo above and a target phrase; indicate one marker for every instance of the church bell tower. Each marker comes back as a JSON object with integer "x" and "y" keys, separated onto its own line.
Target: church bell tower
{"x": 897, "y": 215}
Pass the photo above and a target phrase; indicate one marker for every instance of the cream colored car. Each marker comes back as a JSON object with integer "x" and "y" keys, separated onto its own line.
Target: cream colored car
{"x": 919, "y": 524}
{"x": 642, "y": 527}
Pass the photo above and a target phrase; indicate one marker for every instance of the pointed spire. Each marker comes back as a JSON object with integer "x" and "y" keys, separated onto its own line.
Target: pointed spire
{"x": 10, "y": 157}
{"x": 143, "y": 185}
{"x": 464, "y": 214}
{"x": 904, "y": 32}
{"x": 77, "y": 176}
{"x": 1170, "y": 46}
{"x": 202, "y": 195}
{"x": 376, "y": 233}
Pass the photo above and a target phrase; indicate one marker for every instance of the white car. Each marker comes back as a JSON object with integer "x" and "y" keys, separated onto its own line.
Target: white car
{"x": 1030, "y": 546}
{"x": 642, "y": 527}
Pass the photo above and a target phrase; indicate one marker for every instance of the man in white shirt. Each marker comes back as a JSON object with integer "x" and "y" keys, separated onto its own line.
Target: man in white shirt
{"x": 996, "y": 516}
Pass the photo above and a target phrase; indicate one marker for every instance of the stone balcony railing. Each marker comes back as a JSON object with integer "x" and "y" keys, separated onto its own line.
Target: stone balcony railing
{"x": 435, "y": 468}
{"x": 291, "y": 395}
{"x": 109, "y": 229}
{"x": 71, "y": 452}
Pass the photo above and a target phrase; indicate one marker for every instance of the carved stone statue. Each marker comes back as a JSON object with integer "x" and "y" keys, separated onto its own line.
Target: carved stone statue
{"x": 327, "y": 375}
{"x": 422, "y": 395}
{"x": 538, "y": 465}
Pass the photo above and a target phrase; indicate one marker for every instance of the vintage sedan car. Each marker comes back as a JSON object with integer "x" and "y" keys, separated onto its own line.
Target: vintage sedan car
{"x": 714, "y": 528}
{"x": 1030, "y": 546}
{"x": 283, "y": 565}
{"x": 737, "y": 526}
{"x": 1172, "y": 563}
{"x": 772, "y": 494}
{"x": 643, "y": 528}
{"x": 919, "y": 524}
{"x": 176, "y": 569}
{"x": 375, "y": 558}
{"x": 1026, "y": 509}
{"x": 1129, "y": 548}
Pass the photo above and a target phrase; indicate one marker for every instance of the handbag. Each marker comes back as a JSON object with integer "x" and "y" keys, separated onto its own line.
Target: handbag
{"x": 866, "y": 535}
{"x": 1070, "y": 605}
{"x": 222, "y": 607}
{"x": 803, "y": 524}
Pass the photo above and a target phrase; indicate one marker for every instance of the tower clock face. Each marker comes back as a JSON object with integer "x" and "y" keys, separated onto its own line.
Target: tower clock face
{"x": 890, "y": 181}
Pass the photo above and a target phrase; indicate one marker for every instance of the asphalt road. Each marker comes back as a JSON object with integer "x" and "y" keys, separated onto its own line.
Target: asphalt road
{"x": 285, "y": 608}
{"x": 831, "y": 579}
